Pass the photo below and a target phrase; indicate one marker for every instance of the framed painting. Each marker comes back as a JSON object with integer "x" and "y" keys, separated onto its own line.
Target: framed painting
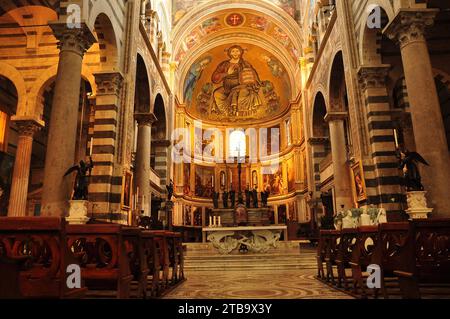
{"x": 127, "y": 186}
{"x": 358, "y": 183}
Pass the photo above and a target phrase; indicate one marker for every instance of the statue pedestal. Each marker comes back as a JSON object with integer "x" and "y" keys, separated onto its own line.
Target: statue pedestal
{"x": 417, "y": 205}
{"x": 78, "y": 212}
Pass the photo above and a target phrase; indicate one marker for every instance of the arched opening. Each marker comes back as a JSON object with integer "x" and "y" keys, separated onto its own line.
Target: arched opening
{"x": 106, "y": 45}
{"x": 320, "y": 127}
{"x": 160, "y": 143}
{"x": 8, "y": 140}
{"x": 339, "y": 97}
{"x": 238, "y": 144}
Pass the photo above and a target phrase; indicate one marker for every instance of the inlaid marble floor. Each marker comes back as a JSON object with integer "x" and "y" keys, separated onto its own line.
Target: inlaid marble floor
{"x": 249, "y": 282}
{"x": 284, "y": 284}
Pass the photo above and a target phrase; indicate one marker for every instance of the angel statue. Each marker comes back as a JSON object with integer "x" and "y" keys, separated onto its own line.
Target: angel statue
{"x": 411, "y": 175}
{"x": 170, "y": 190}
{"x": 80, "y": 190}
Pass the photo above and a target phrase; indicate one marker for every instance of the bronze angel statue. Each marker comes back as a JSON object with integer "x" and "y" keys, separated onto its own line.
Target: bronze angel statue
{"x": 80, "y": 190}
{"x": 411, "y": 175}
{"x": 170, "y": 190}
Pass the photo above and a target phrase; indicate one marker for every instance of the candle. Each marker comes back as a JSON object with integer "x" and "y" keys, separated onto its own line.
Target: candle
{"x": 396, "y": 138}
{"x": 210, "y": 220}
{"x": 91, "y": 146}
{"x": 220, "y": 222}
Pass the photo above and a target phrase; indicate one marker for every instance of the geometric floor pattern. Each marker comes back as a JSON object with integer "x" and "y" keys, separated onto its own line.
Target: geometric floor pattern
{"x": 259, "y": 284}
{"x": 281, "y": 274}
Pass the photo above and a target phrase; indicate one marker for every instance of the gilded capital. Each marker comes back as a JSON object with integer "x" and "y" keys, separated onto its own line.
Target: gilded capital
{"x": 410, "y": 25}
{"x": 77, "y": 40}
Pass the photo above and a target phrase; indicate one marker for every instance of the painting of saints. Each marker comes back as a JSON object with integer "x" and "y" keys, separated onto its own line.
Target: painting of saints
{"x": 194, "y": 75}
{"x": 239, "y": 93}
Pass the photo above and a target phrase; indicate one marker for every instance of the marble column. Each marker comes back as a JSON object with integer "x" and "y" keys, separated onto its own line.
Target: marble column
{"x": 73, "y": 43}
{"x": 27, "y": 127}
{"x": 145, "y": 121}
{"x": 408, "y": 30}
{"x": 342, "y": 185}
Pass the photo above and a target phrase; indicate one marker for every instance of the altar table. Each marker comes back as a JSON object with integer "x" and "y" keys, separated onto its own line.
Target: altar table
{"x": 257, "y": 239}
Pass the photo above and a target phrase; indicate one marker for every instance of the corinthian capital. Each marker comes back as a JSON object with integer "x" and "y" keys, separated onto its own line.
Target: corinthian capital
{"x": 27, "y": 126}
{"x": 108, "y": 83}
{"x": 77, "y": 40}
{"x": 409, "y": 25}
{"x": 373, "y": 76}
{"x": 145, "y": 119}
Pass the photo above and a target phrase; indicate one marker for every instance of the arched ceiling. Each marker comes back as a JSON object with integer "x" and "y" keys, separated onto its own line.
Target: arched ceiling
{"x": 265, "y": 29}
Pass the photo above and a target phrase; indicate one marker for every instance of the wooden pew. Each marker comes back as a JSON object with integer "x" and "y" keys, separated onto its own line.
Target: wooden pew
{"x": 347, "y": 244}
{"x": 425, "y": 257}
{"x": 174, "y": 256}
{"x": 390, "y": 241}
{"x": 152, "y": 249}
{"x": 332, "y": 240}
{"x": 137, "y": 259}
{"x": 321, "y": 253}
{"x": 35, "y": 253}
{"x": 162, "y": 246}
{"x": 361, "y": 258}
{"x": 108, "y": 256}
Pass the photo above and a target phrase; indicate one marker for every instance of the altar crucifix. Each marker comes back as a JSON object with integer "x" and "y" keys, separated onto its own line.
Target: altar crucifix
{"x": 240, "y": 159}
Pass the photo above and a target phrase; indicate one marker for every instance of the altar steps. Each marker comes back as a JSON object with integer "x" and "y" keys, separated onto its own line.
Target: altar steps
{"x": 208, "y": 259}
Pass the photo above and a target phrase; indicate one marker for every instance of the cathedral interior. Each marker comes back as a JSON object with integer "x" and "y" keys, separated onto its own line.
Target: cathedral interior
{"x": 191, "y": 149}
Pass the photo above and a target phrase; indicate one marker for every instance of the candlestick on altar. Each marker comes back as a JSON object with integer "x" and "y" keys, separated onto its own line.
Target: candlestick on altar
{"x": 396, "y": 138}
{"x": 220, "y": 222}
{"x": 91, "y": 147}
{"x": 210, "y": 220}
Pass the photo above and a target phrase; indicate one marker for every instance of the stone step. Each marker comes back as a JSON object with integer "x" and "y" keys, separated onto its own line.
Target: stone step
{"x": 287, "y": 256}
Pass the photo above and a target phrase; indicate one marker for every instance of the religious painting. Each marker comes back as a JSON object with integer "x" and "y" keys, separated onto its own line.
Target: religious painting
{"x": 187, "y": 216}
{"x": 290, "y": 174}
{"x": 198, "y": 217}
{"x": 273, "y": 180}
{"x": 204, "y": 181}
{"x": 358, "y": 183}
{"x": 292, "y": 216}
{"x": 236, "y": 83}
{"x": 127, "y": 184}
{"x": 6, "y": 170}
{"x": 282, "y": 212}
{"x": 254, "y": 178}
{"x": 186, "y": 179}
{"x": 304, "y": 169}
{"x": 223, "y": 180}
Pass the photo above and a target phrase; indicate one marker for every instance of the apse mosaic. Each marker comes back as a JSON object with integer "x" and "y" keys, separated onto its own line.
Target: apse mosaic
{"x": 236, "y": 19}
{"x": 236, "y": 83}
{"x": 182, "y": 7}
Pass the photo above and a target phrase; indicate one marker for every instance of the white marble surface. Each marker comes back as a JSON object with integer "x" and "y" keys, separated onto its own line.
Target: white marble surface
{"x": 244, "y": 228}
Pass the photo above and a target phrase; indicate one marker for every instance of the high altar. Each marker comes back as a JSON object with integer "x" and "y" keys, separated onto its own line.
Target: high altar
{"x": 240, "y": 228}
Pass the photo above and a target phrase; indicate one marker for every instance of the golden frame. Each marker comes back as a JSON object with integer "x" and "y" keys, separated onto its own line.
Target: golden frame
{"x": 127, "y": 191}
{"x": 359, "y": 190}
